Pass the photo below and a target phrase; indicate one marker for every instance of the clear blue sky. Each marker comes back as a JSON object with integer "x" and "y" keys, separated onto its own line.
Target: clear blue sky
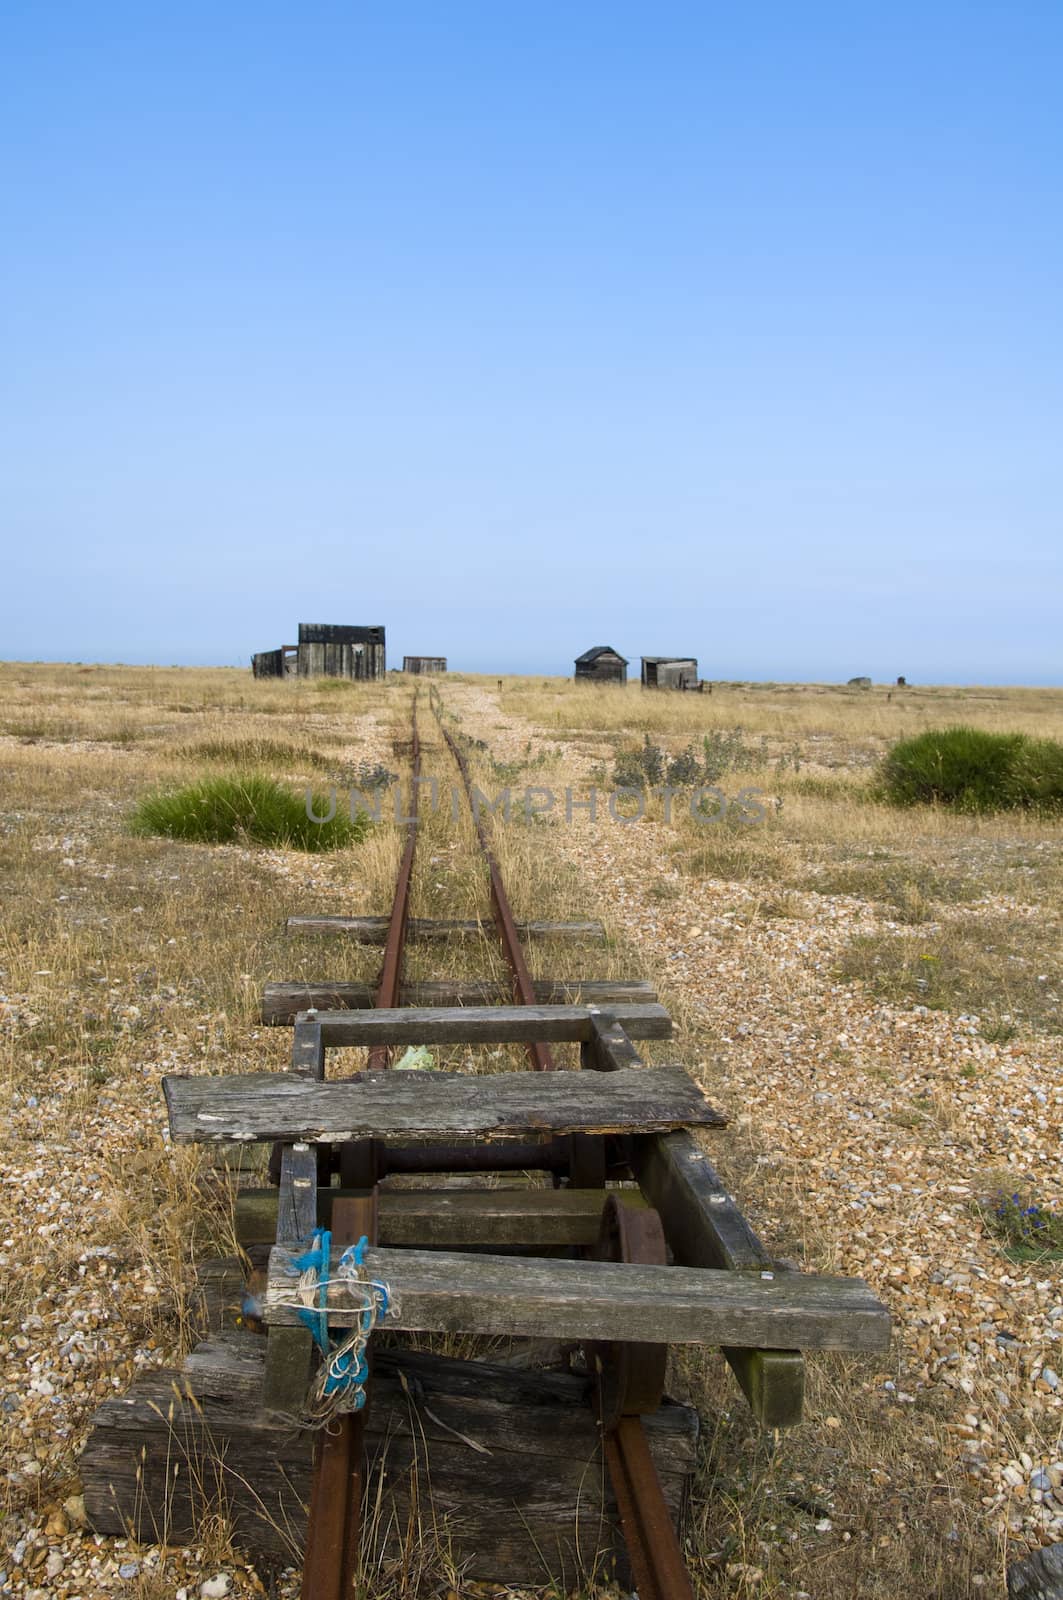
{"x": 734, "y": 330}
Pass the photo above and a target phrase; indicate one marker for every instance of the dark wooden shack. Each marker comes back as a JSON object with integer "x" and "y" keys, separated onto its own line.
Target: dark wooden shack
{"x": 670, "y": 672}
{"x": 282, "y": 663}
{"x": 337, "y": 650}
{"x": 326, "y": 650}
{"x": 423, "y": 664}
{"x": 602, "y": 664}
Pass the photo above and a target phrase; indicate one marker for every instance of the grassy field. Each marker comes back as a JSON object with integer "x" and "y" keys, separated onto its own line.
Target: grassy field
{"x": 873, "y": 994}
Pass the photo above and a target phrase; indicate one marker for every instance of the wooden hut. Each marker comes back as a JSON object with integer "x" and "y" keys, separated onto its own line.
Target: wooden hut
{"x": 282, "y": 663}
{"x": 670, "y": 672}
{"x": 423, "y": 664}
{"x": 337, "y": 650}
{"x": 326, "y": 650}
{"x": 602, "y": 664}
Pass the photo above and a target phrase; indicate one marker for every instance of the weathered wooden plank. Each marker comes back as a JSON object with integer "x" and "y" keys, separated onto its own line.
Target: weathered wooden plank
{"x": 449, "y": 1219}
{"x": 282, "y": 1001}
{"x": 705, "y": 1228}
{"x": 426, "y": 1105}
{"x": 290, "y": 1351}
{"x": 702, "y": 1221}
{"x": 440, "y": 1292}
{"x": 481, "y": 1024}
{"x": 532, "y": 1501}
{"x": 296, "y": 1197}
{"x": 607, "y": 1047}
{"x": 219, "y": 1294}
{"x": 373, "y": 930}
{"x": 308, "y": 1048}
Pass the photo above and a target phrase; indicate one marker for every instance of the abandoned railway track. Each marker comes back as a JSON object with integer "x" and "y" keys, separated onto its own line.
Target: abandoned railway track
{"x": 619, "y": 1237}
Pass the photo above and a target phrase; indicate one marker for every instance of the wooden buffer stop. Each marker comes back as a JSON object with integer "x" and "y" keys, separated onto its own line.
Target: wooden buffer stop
{"x": 586, "y": 1214}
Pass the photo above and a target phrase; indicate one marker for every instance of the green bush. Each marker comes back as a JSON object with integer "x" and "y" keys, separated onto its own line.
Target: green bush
{"x": 973, "y": 771}
{"x": 249, "y": 810}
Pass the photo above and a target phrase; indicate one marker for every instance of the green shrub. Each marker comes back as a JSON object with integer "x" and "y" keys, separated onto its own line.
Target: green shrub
{"x": 250, "y": 810}
{"x": 649, "y": 764}
{"x": 973, "y": 771}
{"x": 641, "y": 768}
{"x": 728, "y": 752}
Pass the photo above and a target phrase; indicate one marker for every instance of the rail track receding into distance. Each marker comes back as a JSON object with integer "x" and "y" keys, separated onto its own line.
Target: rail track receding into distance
{"x": 611, "y": 1232}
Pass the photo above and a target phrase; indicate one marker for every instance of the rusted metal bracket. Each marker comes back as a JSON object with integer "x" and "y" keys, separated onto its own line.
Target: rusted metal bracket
{"x": 631, "y": 1383}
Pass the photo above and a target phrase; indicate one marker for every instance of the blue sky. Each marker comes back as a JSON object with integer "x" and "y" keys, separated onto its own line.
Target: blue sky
{"x": 729, "y": 330}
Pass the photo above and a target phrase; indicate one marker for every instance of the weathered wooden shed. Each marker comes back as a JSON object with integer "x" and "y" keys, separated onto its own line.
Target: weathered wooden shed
{"x": 602, "y": 664}
{"x": 282, "y": 663}
{"x": 423, "y": 664}
{"x": 326, "y": 650}
{"x": 338, "y": 650}
{"x": 670, "y": 672}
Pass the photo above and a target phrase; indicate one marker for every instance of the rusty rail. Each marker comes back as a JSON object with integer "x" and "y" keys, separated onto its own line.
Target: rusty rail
{"x": 387, "y": 993}
{"x": 332, "y": 1549}
{"x": 657, "y": 1563}
{"x": 523, "y": 987}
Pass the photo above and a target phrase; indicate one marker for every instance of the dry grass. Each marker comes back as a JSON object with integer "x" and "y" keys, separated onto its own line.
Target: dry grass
{"x": 782, "y": 711}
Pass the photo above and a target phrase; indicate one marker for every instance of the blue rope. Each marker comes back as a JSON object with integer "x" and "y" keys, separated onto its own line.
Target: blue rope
{"x": 317, "y": 1260}
{"x": 344, "y": 1371}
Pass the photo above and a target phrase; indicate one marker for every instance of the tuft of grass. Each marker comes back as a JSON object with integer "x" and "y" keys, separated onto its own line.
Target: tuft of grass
{"x": 247, "y": 754}
{"x": 999, "y": 970}
{"x": 250, "y": 809}
{"x": 975, "y": 771}
{"x": 910, "y": 889}
{"x": 1030, "y": 1231}
{"x": 728, "y": 850}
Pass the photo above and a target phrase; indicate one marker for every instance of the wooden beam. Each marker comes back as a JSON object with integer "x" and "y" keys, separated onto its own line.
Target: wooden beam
{"x": 705, "y": 1228}
{"x": 308, "y": 1048}
{"x": 449, "y": 1219}
{"x": 440, "y": 1292}
{"x": 373, "y": 930}
{"x": 480, "y": 1024}
{"x": 426, "y": 1105}
{"x": 281, "y": 1001}
{"x": 607, "y": 1047}
{"x": 529, "y": 1501}
{"x": 289, "y": 1351}
{"x": 296, "y": 1197}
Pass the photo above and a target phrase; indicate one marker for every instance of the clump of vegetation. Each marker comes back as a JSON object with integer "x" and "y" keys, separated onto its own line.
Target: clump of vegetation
{"x": 1029, "y": 1231}
{"x": 250, "y": 753}
{"x": 247, "y": 810}
{"x": 972, "y": 770}
{"x": 729, "y": 752}
{"x": 650, "y": 764}
{"x": 368, "y": 775}
{"x": 910, "y": 889}
{"x": 999, "y": 970}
